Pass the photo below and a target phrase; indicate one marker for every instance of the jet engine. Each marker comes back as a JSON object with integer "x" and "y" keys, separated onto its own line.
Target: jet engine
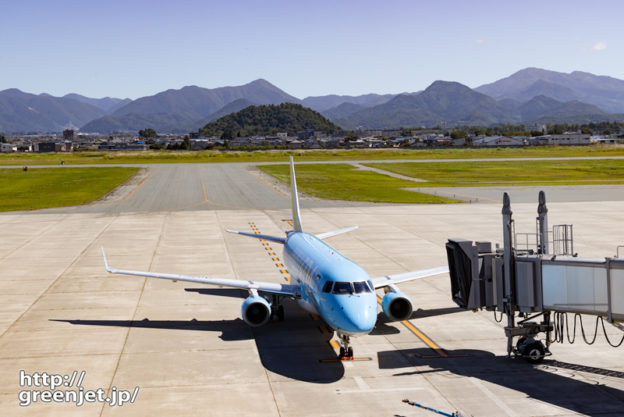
{"x": 256, "y": 311}
{"x": 396, "y": 305}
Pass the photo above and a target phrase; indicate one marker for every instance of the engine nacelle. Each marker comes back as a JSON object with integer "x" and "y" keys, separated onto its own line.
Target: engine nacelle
{"x": 256, "y": 311}
{"x": 396, "y": 306}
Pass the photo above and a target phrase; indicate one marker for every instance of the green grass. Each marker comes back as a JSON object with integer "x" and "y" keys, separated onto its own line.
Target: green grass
{"x": 473, "y": 174}
{"x": 303, "y": 155}
{"x": 344, "y": 182}
{"x": 57, "y": 187}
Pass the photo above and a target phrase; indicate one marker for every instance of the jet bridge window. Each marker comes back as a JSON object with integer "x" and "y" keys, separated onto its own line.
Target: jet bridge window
{"x": 343, "y": 288}
{"x": 328, "y": 286}
{"x": 361, "y": 287}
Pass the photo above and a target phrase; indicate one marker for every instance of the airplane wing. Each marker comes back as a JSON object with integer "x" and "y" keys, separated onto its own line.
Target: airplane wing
{"x": 270, "y": 287}
{"x": 335, "y": 232}
{"x": 407, "y": 276}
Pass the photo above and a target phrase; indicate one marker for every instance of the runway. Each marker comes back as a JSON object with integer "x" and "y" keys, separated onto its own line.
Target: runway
{"x": 242, "y": 186}
{"x": 190, "y": 353}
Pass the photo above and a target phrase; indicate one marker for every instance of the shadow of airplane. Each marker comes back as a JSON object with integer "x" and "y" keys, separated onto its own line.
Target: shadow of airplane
{"x": 546, "y": 382}
{"x": 292, "y": 348}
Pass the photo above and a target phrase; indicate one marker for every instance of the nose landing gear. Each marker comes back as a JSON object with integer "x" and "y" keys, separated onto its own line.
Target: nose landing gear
{"x": 346, "y": 351}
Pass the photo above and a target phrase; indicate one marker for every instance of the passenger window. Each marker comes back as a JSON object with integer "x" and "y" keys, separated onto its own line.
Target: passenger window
{"x": 370, "y": 284}
{"x": 360, "y": 287}
{"x": 343, "y": 288}
{"x": 328, "y": 286}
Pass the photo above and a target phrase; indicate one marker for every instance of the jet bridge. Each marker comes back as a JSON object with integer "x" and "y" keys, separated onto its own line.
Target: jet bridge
{"x": 535, "y": 275}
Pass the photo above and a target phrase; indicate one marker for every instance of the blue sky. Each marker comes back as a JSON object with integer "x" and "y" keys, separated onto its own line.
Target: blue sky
{"x": 137, "y": 48}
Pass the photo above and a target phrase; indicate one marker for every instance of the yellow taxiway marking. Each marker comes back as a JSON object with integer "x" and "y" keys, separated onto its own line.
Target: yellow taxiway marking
{"x": 271, "y": 253}
{"x": 422, "y": 336}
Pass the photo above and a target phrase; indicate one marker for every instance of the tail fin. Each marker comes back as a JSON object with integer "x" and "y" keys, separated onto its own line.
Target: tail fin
{"x": 294, "y": 197}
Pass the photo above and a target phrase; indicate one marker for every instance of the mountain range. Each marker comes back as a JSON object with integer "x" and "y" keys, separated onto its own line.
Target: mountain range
{"x": 529, "y": 95}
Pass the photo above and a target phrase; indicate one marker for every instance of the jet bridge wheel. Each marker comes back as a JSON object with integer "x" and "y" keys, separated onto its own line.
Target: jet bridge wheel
{"x": 534, "y": 352}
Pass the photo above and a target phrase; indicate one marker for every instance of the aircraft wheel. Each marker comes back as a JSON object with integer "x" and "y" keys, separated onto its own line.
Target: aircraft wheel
{"x": 342, "y": 352}
{"x": 350, "y": 352}
{"x": 280, "y": 313}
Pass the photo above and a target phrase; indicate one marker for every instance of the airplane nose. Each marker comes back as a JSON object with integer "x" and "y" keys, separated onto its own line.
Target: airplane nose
{"x": 359, "y": 317}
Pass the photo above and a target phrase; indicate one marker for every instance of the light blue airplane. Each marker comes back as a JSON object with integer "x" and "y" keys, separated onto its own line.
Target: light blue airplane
{"x": 323, "y": 282}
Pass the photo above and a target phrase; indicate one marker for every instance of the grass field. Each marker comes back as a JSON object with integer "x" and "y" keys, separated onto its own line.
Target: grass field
{"x": 57, "y": 187}
{"x": 344, "y": 182}
{"x": 312, "y": 155}
{"x": 467, "y": 174}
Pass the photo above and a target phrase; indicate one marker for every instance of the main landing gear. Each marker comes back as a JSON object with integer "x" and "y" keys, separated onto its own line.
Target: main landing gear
{"x": 277, "y": 309}
{"x": 346, "y": 351}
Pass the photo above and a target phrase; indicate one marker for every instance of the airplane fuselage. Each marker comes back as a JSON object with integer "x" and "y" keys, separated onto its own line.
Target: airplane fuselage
{"x": 332, "y": 286}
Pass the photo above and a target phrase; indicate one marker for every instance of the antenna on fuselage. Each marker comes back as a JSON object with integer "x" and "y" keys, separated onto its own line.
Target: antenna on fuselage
{"x": 294, "y": 197}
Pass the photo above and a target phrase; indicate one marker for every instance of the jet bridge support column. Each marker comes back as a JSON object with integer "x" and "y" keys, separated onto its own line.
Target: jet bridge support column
{"x": 507, "y": 271}
{"x": 543, "y": 248}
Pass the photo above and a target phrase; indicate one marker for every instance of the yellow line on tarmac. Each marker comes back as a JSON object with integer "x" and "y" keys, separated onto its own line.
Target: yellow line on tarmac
{"x": 421, "y": 336}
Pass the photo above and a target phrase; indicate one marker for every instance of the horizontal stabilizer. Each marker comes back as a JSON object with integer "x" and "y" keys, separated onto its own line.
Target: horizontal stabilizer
{"x": 335, "y": 232}
{"x": 259, "y": 236}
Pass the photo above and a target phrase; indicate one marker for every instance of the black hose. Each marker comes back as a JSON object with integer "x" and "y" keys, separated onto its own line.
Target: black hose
{"x": 562, "y": 329}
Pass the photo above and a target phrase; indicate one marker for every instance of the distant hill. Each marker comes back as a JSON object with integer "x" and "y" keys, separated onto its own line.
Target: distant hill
{"x": 107, "y": 104}
{"x": 233, "y": 107}
{"x": 546, "y": 107}
{"x": 443, "y": 103}
{"x": 602, "y": 91}
{"x": 192, "y": 103}
{"x": 162, "y": 122}
{"x": 25, "y": 112}
{"x": 322, "y": 103}
{"x": 269, "y": 119}
{"x": 342, "y": 110}
{"x": 526, "y": 96}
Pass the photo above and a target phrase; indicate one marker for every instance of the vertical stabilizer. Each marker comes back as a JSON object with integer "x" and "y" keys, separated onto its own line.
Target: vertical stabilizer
{"x": 294, "y": 197}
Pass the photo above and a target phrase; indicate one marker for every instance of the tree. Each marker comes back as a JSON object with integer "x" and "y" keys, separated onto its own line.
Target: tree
{"x": 148, "y": 133}
{"x": 2, "y": 139}
{"x": 187, "y": 143}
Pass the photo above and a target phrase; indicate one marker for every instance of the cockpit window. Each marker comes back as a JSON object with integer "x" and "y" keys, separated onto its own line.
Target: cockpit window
{"x": 343, "y": 288}
{"x": 328, "y": 286}
{"x": 360, "y": 287}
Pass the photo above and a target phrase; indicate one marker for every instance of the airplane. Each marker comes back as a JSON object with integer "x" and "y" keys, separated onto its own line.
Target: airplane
{"x": 323, "y": 282}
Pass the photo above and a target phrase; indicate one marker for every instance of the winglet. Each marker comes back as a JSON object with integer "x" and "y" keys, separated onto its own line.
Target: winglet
{"x": 294, "y": 197}
{"x": 108, "y": 269}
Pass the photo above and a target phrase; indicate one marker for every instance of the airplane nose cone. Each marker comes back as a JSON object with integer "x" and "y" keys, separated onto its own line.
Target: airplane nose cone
{"x": 358, "y": 315}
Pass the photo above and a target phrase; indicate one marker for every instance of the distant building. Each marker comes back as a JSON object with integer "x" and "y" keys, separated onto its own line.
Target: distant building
{"x": 123, "y": 146}
{"x": 564, "y": 139}
{"x": 42, "y": 147}
{"x": 498, "y": 141}
{"x": 8, "y": 147}
{"x": 69, "y": 134}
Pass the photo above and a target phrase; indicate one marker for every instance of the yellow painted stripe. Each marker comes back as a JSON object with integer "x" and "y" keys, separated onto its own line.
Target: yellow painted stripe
{"x": 279, "y": 265}
{"x": 271, "y": 253}
{"x": 274, "y": 258}
{"x": 424, "y": 338}
{"x": 284, "y": 271}
{"x": 334, "y": 344}
{"x": 421, "y": 336}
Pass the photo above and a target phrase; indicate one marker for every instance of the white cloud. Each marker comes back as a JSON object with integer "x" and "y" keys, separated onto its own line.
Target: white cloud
{"x": 600, "y": 46}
